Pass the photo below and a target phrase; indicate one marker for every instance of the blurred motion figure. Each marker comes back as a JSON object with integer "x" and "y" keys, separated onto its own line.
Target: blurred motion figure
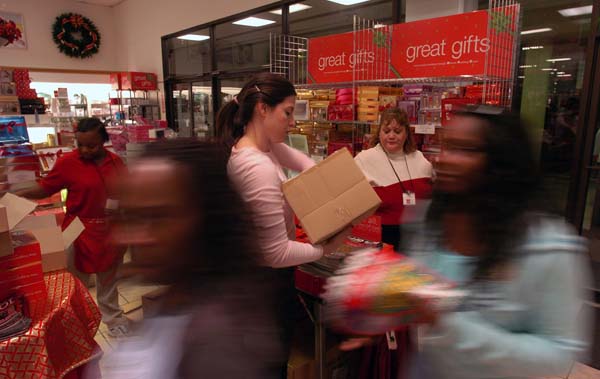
{"x": 190, "y": 231}
{"x": 524, "y": 272}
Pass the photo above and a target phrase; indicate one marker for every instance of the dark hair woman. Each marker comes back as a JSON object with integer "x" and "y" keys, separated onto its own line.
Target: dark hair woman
{"x": 88, "y": 174}
{"x": 255, "y": 125}
{"x": 190, "y": 230}
{"x": 524, "y": 272}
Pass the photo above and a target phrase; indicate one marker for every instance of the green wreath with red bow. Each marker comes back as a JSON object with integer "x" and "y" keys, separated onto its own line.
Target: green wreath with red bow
{"x": 75, "y": 35}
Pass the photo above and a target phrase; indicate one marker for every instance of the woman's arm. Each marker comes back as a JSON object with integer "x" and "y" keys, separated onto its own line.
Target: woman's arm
{"x": 260, "y": 187}
{"x": 291, "y": 158}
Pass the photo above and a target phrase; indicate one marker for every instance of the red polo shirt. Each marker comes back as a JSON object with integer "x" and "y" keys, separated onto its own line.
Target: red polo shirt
{"x": 89, "y": 185}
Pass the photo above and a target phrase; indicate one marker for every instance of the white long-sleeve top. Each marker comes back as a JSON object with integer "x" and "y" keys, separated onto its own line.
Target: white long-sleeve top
{"x": 258, "y": 177}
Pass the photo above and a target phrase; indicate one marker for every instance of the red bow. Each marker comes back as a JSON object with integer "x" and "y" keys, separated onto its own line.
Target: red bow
{"x": 8, "y": 126}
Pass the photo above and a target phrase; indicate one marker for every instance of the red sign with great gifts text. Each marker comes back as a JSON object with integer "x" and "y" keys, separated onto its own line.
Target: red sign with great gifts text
{"x": 361, "y": 55}
{"x": 457, "y": 45}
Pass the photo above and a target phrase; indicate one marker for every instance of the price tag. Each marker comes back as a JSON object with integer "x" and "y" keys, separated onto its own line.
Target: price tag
{"x": 425, "y": 129}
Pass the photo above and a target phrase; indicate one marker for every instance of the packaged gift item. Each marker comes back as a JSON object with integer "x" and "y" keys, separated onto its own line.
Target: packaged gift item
{"x": 410, "y": 107}
{"x": 318, "y": 110}
{"x": 21, "y": 272}
{"x": 330, "y": 196}
{"x": 375, "y": 291}
{"x": 449, "y": 106}
{"x": 336, "y": 112}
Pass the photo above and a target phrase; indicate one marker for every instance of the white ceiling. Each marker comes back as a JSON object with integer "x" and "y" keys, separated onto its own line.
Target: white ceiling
{"x": 104, "y": 3}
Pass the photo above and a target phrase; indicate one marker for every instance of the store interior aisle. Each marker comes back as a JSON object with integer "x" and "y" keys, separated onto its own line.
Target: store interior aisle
{"x": 130, "y": 299}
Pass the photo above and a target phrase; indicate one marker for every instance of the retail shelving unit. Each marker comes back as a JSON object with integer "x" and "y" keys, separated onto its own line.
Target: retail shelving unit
{"x": 375, "y": 80}
{"x": 125, "y": 105}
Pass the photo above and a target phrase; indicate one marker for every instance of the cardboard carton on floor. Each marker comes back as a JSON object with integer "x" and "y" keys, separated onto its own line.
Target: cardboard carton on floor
{"x": 330, "y": 196}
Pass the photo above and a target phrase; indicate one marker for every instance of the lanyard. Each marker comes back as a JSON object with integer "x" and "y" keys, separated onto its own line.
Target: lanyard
{"x": 397, "y": 177}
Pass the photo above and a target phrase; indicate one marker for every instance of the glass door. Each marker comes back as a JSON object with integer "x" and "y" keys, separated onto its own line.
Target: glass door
{"x": 202, "y": 109}
{"x": 182, "y": 115}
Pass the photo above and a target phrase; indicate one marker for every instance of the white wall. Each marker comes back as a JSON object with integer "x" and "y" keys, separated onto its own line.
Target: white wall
{"x": 141, "y": 23}
{"x": 130, "y": 31}
{"x": 423, "y": 9}
{"x": 41, "y": 52}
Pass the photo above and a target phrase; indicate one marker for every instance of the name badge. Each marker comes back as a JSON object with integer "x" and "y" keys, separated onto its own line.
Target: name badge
{"x": 391, "y": 340}
{"x": 409, "y": 198}
{"x": 112, "y": 204}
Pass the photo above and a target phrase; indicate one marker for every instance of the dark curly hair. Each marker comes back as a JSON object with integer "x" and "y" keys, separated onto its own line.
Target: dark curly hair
{"x": 500, "y": 203}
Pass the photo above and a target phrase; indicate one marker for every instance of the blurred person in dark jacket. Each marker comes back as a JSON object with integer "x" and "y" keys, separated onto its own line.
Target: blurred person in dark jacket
{"x": 524, "y": 273}
{"x": 190, "y": 231}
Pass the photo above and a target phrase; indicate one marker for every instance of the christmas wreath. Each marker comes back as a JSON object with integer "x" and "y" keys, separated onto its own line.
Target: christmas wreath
{"x": 75, "y": 35}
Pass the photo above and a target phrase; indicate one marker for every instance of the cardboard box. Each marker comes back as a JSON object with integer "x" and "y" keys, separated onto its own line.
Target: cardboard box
{"x": 151, "y": 301}
{"x": 330, "y": 196}
{"x": 53, "y": 241}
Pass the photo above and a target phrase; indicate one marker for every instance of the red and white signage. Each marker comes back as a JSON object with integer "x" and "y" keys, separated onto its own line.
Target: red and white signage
{"x": 451, "y": 46}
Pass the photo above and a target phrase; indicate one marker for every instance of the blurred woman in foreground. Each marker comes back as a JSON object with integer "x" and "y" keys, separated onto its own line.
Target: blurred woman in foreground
{"x": 524, "y": 272}
{"x": 190, "y": 230}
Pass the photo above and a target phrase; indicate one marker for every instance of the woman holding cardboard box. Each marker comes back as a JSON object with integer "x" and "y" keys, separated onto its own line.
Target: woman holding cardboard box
{"x": 255, "y": 125}
{"x": 87, "y": 174}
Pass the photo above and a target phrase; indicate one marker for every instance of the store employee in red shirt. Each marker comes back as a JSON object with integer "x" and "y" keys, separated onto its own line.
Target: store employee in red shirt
{"x": 89, "y": 174}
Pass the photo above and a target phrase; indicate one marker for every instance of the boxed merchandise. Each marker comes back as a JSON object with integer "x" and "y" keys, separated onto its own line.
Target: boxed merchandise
{"x": 452, "y": 105}
{"x": 337, "y": 112}
{"x": 344, "y": 96}
{"x": 379, "y": 290}
{"x": 411, "y": 108}
{"x": 9, "y": 105}
{"x": 330, "y": 196}
{"x": 318, "y": 110}
{"x": 21, "y": 272}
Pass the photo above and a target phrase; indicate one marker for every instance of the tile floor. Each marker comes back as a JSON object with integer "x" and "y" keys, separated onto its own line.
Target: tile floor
{"x": 131, "y": 301}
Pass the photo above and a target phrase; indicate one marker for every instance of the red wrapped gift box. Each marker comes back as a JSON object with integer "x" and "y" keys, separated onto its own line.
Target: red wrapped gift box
{"x": 21, "y": 272}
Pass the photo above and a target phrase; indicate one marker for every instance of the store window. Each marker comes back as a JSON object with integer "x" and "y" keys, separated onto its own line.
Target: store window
{"x": 312, "y": 18}
{"x": 189, "y": 54}
{"x": 243, "y": 44}
{"x": 549, "y": 83}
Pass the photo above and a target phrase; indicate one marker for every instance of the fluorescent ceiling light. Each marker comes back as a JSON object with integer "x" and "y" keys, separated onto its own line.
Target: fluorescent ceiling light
{"x": 558, "y": 59}
{"x": 534, "y": 31}
{"x": 560, "y": 73}
{"x": 564, "y": 76}
{"x": 521, "y": 77}
{"x": 254, "y": 22}
{"x": 348, "y": 2}
{"x": 193, "y": 37}
{"x": 293, "y": 8}
{"x": 528, "y": 66}
{"x": 578, "y": 11}
{"x": 532, "y": 47}
{"x": 547, "y": 69}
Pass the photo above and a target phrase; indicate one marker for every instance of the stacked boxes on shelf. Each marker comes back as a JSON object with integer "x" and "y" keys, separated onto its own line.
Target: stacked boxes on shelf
{"x": 368, "y": 104}
{"x": 9, "y": 102}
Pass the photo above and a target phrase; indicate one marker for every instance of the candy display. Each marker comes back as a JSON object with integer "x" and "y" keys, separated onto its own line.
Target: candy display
{"x": 375, "y": 291}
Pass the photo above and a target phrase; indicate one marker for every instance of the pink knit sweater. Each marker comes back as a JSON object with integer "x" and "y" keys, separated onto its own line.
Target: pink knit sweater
{"x": 258, "y": 176}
